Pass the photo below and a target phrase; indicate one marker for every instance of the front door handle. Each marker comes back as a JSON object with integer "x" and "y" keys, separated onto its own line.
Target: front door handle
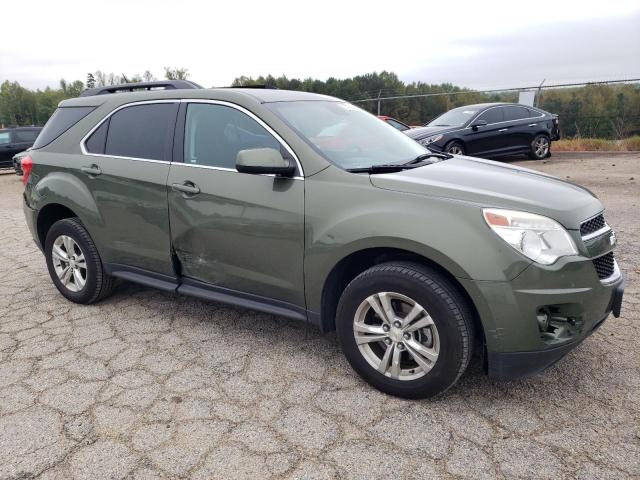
{"x": 186, "y": 187}
{"x": 92, "y": 171}
{"x": 532, "y": 124}
{"x": 503, "y": 129}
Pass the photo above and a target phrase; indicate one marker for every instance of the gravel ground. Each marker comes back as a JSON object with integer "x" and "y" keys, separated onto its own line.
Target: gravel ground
{"x": 150, "y": 385}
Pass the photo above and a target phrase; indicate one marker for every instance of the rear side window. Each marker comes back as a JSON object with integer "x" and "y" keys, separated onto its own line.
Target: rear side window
{"x": 5, "y": 138}
{"x": 516, "y": 113}
{"x": 141, "y": 131}
{"x": 25, "y": 136}
{"x": 61, "y": 121}
{"x": 493, "y": 115}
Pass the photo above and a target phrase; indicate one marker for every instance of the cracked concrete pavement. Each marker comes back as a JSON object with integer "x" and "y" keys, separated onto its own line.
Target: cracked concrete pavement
{"x": 152, "y": 385}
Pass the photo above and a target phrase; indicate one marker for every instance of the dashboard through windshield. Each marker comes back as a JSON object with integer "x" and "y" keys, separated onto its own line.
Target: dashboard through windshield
{"x": 347, "y": 135}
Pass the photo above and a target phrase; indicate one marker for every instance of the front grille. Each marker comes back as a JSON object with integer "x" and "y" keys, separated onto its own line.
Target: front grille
{"x": 592, "y": 225}
{"x": 604, "y": 265}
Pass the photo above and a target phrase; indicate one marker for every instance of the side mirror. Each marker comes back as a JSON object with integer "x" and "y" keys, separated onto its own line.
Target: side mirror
{"x": 478, "y": 123}
{"x": 264, "y": 161}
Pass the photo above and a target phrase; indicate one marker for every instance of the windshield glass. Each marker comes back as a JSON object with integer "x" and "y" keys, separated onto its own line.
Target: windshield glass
{"x": 347, "y": 135}
{"x": 454, "y": 118}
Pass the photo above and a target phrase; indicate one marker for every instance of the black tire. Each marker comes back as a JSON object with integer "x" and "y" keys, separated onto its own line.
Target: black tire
{"x": 439, "y": 297}
{"x": 536, "y": 152}
{"x": 455, "y": 148}
{"x": 98, "y": 284}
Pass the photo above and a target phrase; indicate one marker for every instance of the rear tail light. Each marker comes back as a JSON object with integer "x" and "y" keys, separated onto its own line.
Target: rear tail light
{"x": 27, "y": 165}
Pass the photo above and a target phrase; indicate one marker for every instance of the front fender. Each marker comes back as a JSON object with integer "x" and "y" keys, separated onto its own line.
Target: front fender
{"x": 348, "y": 214}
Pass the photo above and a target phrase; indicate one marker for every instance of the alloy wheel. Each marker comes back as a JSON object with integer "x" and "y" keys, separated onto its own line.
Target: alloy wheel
{"x": 69, "y": 263}
{"x": 396, "y": 336}
{"x": 455, "y": 150}
{"x": 541, "y": 147}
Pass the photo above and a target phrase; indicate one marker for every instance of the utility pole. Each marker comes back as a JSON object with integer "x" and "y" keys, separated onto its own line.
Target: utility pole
{"x": 537, "y": 99}
{"x": 379, "y": 93}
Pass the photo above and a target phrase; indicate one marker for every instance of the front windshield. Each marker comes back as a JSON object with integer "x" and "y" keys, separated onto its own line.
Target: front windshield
{"x": 454, "y": 118}
{"x": 347, "y": 135}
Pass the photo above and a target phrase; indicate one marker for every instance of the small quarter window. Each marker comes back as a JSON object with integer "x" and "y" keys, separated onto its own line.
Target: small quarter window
{"x": 5, "y": 138}
{"x": 96, "y": 142}
{"x": 214, "y": 134}
{"x": 139, "y": 131}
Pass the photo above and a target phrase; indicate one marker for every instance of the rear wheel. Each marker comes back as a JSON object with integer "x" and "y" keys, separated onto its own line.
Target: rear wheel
{"x": 540, "y": 147}
{"x": 454, "y": 148}
{"x": 405, "y": 329}
{"x": 74, "y": 263}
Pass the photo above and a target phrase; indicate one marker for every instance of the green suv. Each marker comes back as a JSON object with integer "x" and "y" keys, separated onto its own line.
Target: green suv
{"x": 304, "y": 206}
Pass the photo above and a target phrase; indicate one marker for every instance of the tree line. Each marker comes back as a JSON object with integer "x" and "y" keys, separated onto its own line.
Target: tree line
{"x": 22, "y": 106}
{"x": 592, "y": 111}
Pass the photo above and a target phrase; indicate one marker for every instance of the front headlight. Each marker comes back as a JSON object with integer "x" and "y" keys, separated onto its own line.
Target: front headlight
{"x": 541, "y": 239}
{"x": 429, "y": 140}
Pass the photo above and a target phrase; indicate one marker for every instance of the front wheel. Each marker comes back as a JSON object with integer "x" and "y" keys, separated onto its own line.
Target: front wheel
{"x": 454, "y": 148}
{"x": 405, "y": 329}
{"x": 540, "y": 147}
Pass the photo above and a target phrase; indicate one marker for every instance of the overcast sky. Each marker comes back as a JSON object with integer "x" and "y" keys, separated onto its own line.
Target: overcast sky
{"x": 478, "y": 44}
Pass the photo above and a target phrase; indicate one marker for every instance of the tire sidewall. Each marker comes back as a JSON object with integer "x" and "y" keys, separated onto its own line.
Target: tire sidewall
{"x": 72, "y": 229}
{"x": 533, "y": 148}
{"x": 447, "y": 368}
{"x": 457, "y": 143}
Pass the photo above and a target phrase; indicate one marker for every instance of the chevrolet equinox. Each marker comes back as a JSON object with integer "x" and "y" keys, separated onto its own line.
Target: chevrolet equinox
{"x": 307, "y": 207}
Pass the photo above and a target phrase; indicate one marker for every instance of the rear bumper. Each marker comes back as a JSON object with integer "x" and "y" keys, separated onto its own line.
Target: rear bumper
{"x": 31, "y": 217}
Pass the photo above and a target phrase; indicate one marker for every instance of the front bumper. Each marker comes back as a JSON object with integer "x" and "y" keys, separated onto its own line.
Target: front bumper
{"x": 571, "y": 291}
{"x": 514, "y": 365}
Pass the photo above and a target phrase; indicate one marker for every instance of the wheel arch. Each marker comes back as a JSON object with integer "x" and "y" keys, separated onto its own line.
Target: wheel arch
{"x": 358, "y": 261}
{"x": 455, "y": 139}
{"x": 48, "y": 215}
{"x": 61, "y": 195}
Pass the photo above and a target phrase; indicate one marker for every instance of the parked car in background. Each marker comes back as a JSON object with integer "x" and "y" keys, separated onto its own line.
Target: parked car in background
{"x": 394, "y": 123}
{"x": 490, "y": 130}
{"x": 15, "y": 140}
{"x": 17, "y": 162}
{"x": 307, "y": 207}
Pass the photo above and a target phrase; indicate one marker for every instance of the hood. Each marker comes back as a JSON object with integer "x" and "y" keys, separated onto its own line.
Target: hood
{"x": 494, "y": 184}
{"x": 423, "y": 132}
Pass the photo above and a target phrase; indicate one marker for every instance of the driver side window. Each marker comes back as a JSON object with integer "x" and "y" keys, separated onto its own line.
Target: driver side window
{"x": 214, "y": 134}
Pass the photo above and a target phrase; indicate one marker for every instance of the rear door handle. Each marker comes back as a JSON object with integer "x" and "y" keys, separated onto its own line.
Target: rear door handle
{"x": 503, "y": 129}
{"x": 93, "y": 170}
{"x": 186, "y": 187}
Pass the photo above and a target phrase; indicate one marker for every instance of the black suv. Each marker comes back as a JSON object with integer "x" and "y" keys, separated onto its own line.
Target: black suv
{"x": 490, "y": 130}
{"x": 15, "y": 140}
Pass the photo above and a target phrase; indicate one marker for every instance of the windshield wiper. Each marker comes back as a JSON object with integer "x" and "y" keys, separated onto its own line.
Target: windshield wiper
{"x": 424, "y": 156}
{"x": 397, "y": 167}
{"x": 382, "y": 168}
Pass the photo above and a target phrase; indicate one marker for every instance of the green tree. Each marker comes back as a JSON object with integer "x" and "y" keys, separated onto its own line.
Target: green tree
{"x": 176, "y": 73}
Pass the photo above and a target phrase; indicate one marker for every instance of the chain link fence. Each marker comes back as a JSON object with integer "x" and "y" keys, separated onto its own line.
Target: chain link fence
{"x": 609, "y": 110}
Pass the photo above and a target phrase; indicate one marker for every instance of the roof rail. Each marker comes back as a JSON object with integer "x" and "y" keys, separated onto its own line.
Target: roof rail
{"x": 266, "y": 87}
{"x": 131, "y": 87}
